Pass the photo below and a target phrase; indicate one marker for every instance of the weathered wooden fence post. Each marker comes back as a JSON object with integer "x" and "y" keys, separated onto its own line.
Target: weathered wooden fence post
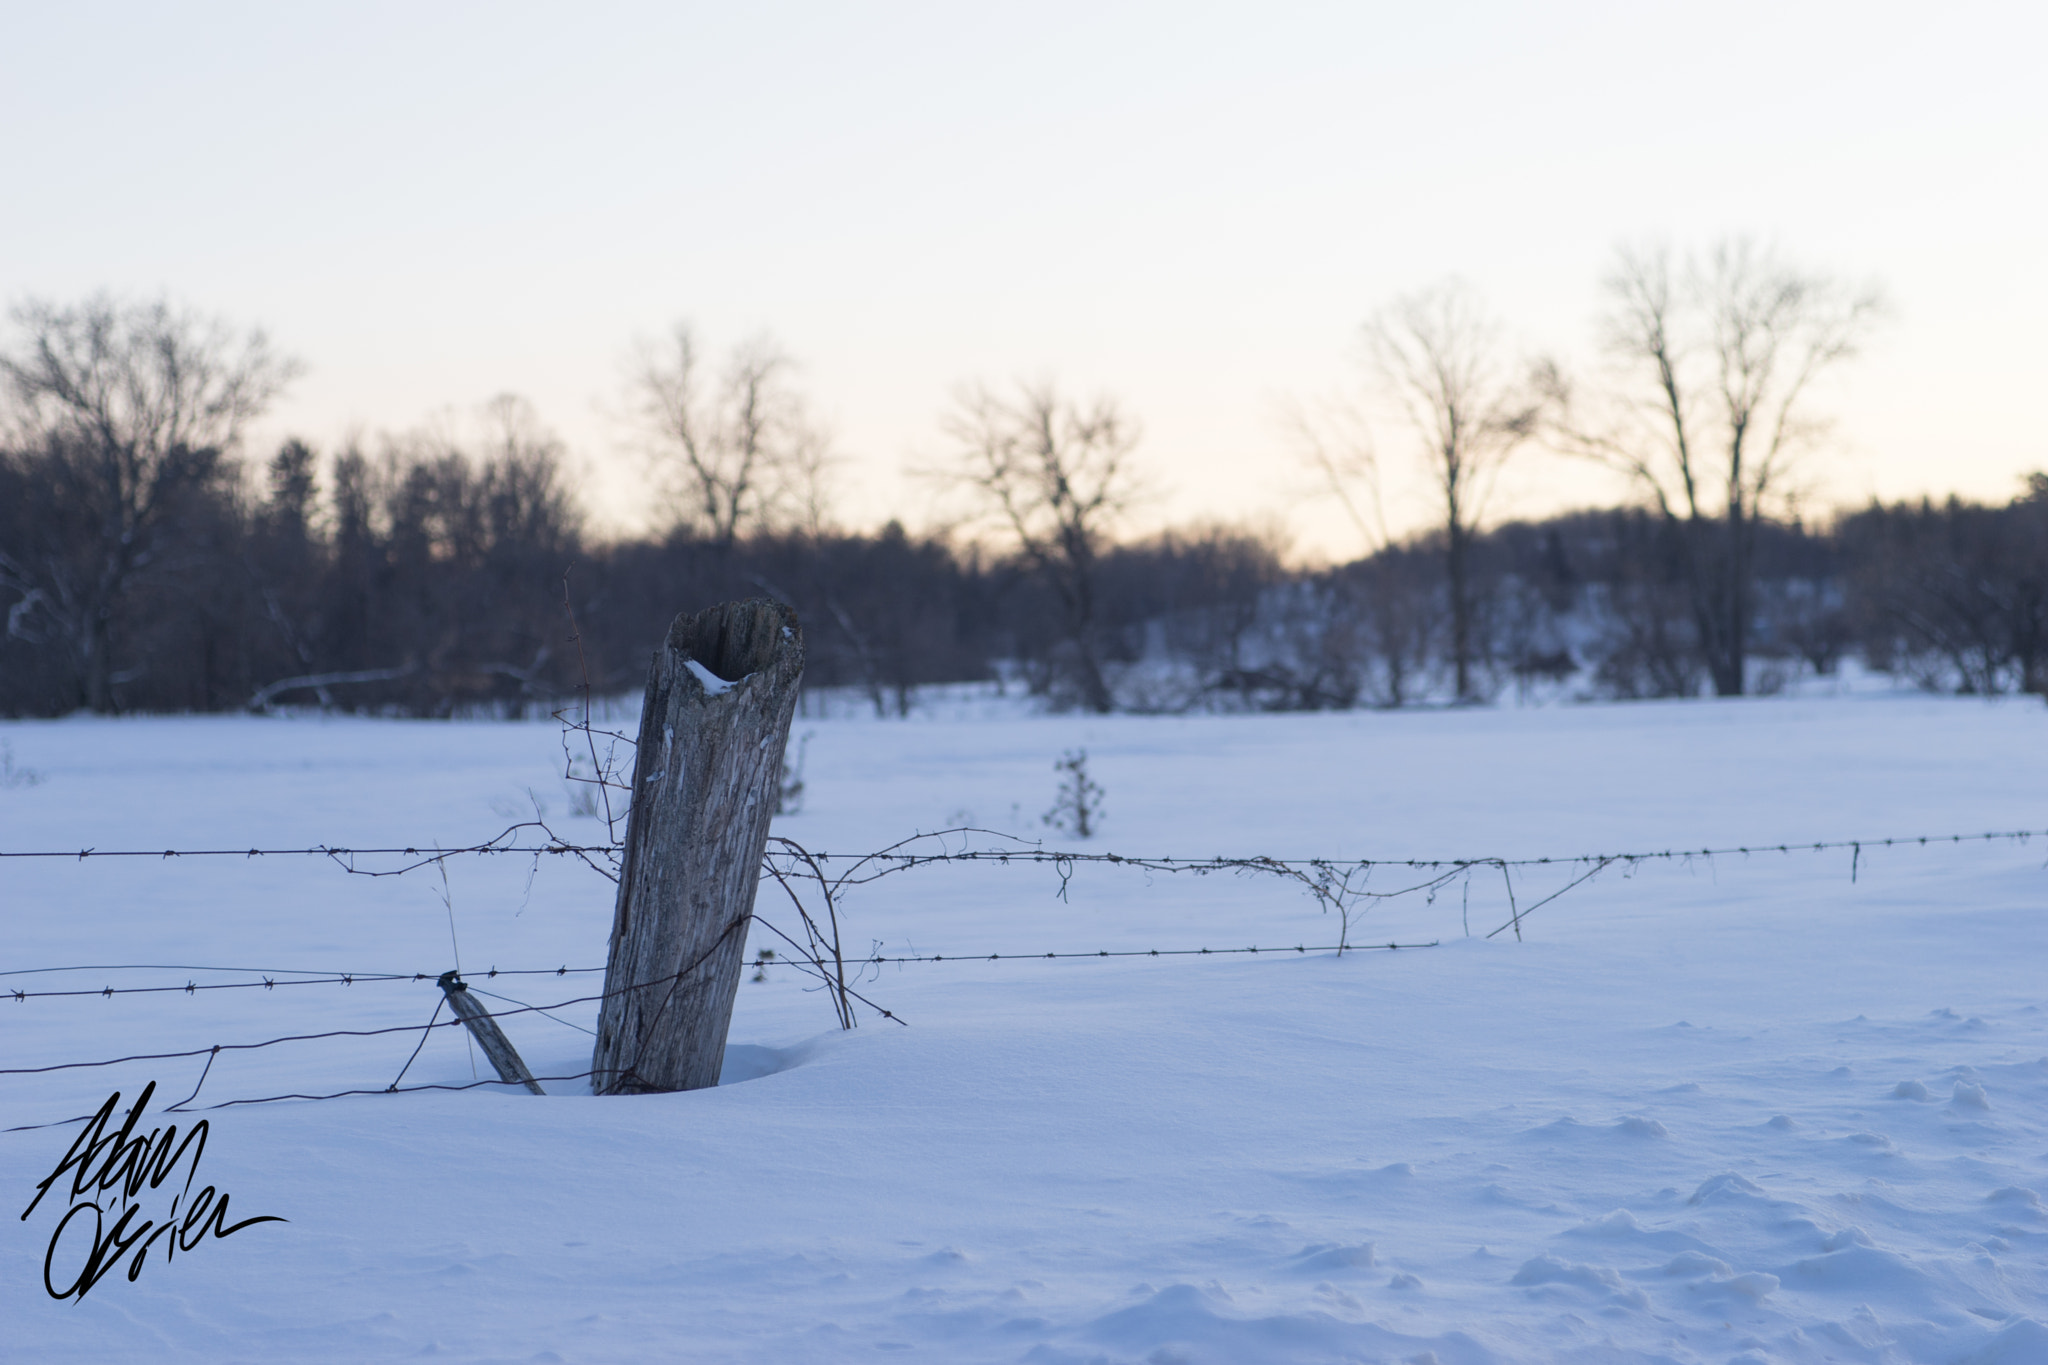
{"x": 719, "y": 701}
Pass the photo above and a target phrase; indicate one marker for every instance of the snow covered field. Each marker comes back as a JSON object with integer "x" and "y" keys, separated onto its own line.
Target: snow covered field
{"x": 1730, "y": 1110}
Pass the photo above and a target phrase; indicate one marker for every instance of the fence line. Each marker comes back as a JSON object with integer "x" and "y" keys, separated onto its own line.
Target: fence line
{"x": 192, "y": 988}
{"x": 181, "y": 1106}
{"x": 193, "y": 967}
{"x": 269, "y": 978}
{"x": 1339, "y": 884}
{"x": 671, "y": 979}
{"x": 868, "y": 960}
{"x": 1030, "y": 853}
{"x": 213, "y": 1051}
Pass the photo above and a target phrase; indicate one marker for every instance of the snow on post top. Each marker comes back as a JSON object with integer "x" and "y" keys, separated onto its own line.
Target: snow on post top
{"x": 713, "y": 684}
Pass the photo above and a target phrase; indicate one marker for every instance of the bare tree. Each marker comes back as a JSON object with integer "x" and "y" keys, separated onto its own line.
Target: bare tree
{"x": 1334, "y": 443}
{"x": 1055, "y": 475}
{"x": 132, "y": 406}
{"x": 736, "y": 454}
{"x": 1438, "y": 357}
{"x": 1707, "y": 413}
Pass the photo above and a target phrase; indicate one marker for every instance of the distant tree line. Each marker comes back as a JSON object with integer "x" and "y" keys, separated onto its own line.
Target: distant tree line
{"x": 146, "y": 564}
{"x": 434, "y": 581}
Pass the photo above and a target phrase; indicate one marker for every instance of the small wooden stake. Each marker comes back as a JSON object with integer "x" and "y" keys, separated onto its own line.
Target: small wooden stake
{"x": 489, "y": 1036}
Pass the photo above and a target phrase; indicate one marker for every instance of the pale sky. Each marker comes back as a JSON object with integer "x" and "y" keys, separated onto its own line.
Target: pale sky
{"x": 1191, "y": 207}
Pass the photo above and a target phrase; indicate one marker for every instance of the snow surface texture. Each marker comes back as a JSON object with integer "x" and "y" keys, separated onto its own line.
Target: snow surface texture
{"x": 1738, "y": 1110}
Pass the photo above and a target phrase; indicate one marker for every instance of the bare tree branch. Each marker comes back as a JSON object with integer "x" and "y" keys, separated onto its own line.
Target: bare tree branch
{"x": 140, "y": 403}
{"x": 1437, "y": 357}
{"x": 1335, "y": 444}
{"x": 1706, "y": 411}
{"x": 739, "y": 454}
{"x": 1056, "y": 475}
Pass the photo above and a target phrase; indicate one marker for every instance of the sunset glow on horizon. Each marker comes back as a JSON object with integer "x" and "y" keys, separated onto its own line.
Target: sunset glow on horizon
{"x": 1193, "y": 210}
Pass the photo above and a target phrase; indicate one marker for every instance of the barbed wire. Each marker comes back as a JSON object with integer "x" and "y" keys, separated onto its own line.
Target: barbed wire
{"x": 435, "y": 1022}
{"x": 505, "y": 841}
{"x": 190, "y": 967}
{"x": 878, "y": 961}
{"x": 212, "y": 1053}
{"x": 1342, "y": 885}
{"x": 193, "y": 988}
{"x": 271, "y": 1099}
{"x": 1336, "y": 883}
{"x": 1157, "y": 863}
{"x": 185, "y": 1107}
{"x": 321, "y": 850}
{"x": 270, "y": 980}
{"x": 892, "y": 860}
{"x": 868, "y": 960}
{"x": 1028, "y": 853}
